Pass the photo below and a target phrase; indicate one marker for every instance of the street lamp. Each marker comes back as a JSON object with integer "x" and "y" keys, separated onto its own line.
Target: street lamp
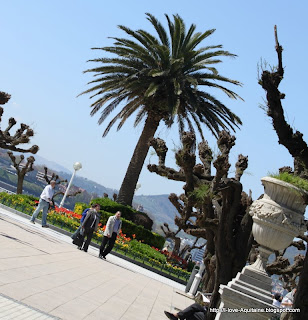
{"x": 76, "y": 166}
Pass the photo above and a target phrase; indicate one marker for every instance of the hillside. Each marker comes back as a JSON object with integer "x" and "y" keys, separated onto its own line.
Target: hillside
{"x": 159, "y": 208}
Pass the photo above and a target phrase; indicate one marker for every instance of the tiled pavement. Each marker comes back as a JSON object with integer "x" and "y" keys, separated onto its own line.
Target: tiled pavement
{"x": 42, "y": 269}
{"x": 11, "y": 309}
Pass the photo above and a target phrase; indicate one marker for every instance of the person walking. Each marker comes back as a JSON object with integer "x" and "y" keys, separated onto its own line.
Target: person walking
{"x": 89, "y": 225}
{"x": 83, "y": 216}
{"x": 112, "y": 230}
{"x": 44, "y": 203}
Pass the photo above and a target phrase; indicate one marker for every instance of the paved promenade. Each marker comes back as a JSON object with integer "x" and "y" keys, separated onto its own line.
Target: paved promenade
{"x": 44, "y": 276}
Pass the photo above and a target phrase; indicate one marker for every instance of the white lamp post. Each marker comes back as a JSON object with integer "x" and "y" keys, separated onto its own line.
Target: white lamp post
{"x": 76, "y": 166}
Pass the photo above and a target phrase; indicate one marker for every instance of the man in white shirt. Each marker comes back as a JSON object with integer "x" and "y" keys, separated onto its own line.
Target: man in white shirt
{"x": 45, "y": 201}
{"x": 112, "y": 230}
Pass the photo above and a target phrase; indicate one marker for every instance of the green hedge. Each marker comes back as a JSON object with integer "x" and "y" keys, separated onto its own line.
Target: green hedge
{"x": 146, "y": 250}
{"x": 142, "y": 234}
{"x": 112, "y": 206}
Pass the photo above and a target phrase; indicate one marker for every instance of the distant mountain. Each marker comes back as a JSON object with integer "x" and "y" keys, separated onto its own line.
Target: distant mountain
{"x": 51, "y": 165}
{"x": 89, "y": 185}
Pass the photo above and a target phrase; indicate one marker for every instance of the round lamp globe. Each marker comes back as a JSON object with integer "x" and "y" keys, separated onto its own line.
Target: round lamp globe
{"x": 77, "y": 166}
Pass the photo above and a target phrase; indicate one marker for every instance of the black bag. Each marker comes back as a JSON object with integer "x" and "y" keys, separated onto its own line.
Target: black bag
{"x": 78, "y": 241}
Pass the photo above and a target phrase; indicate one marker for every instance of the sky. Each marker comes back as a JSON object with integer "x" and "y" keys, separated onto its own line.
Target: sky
{"x": 46, "y": 46}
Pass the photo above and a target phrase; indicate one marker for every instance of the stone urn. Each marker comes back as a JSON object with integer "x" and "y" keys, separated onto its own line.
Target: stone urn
{"x": 277, "y": 218}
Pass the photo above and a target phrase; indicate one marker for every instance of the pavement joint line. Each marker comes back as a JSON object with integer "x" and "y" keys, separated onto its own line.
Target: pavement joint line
{"x": 133, "y": 302}
{"x": 55, "y": 286}
{"x": 28, "y": 307}
{"x": 48, "y": 274}
{"x": 155, "y": 301}
{"x": 103, "y": 282}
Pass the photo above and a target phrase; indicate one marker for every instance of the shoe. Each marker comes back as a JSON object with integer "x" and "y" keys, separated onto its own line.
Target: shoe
{"x": 101, "y": 256}
{"x": 45, "y": 226}
{"x": 32, "y": 221}
{"x": 84, "y": 250}
{"x": 79, "y": 248}
{"x": 170, "y": 315}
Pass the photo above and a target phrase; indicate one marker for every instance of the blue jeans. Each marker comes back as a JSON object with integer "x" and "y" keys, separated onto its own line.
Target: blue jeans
{"x": 43, "y": 205}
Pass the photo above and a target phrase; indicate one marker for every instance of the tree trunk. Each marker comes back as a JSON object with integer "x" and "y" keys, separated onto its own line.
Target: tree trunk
{"x": 20, "y": 181}
{"x": 128, "y": 186}
{"x": 301, "y": 296}
{"x": 177, "y": 245}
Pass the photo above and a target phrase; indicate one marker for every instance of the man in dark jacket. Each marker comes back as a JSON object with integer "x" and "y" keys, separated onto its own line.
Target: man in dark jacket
{"x": 83, "y": 216}
{"x": 89, "y": 225}
{"x": 193, "y": 312}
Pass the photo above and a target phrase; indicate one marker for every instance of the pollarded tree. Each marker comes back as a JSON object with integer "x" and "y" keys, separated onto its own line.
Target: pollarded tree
{"x": 298, "y": 149}
{"x": 22, "y": 135}
{"x": 169, "y": 234}
{"x": 162, "y": 77}
{"x": 212, "y": 207}
{"x": 21, "y": 169}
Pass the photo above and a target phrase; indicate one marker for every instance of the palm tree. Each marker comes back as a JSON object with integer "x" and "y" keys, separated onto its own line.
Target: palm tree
{"x": 159, "y": 77}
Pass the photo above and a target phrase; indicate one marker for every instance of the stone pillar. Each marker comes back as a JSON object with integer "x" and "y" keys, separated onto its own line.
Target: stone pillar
{"x": 196, "y": 282}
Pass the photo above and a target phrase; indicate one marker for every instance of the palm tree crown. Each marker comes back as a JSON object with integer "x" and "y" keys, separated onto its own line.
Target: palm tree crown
{"x": 163, "y": 75}
{"x": 160, "y": 78}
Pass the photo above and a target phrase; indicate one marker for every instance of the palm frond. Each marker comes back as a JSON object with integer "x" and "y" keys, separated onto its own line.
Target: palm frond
{"x": 166, "y": 74}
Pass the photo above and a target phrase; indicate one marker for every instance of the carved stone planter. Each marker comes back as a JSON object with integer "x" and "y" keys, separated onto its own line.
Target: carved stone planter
{"x": 277, "y": 218}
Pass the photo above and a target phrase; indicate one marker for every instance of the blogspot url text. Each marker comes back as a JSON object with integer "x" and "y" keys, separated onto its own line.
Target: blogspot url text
{"x": 249, "y": 310}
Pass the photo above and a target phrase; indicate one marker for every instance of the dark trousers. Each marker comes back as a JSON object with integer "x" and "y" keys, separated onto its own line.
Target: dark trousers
{"x": 193, "y": 312}
{"x": 110, "y": 241}
{"x": 89, "y": 234}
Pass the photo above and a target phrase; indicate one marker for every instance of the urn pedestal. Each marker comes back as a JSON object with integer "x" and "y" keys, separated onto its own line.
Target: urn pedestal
{"x": 277, "y": 218}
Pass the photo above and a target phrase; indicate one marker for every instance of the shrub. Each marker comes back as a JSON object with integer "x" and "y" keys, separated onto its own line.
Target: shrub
{"x": 148, "y": 237}
{"x": 20, "y": 202}
{"x": 190, "y": 266}
{"x": 146, "y": 250}
{"x": 80, "y": 207}
{"x": 292, "y": 179}
{"x": 109, "y": 205}
{"x": 112, "y": 207}
{"x": 133, "y": 230}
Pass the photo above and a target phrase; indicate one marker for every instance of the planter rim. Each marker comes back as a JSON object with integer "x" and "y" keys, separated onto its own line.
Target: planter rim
{"x": 283, "y": 184}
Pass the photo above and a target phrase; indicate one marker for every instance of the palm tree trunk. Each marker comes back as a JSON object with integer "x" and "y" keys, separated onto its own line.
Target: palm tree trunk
{"x": 128, "y": 186}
